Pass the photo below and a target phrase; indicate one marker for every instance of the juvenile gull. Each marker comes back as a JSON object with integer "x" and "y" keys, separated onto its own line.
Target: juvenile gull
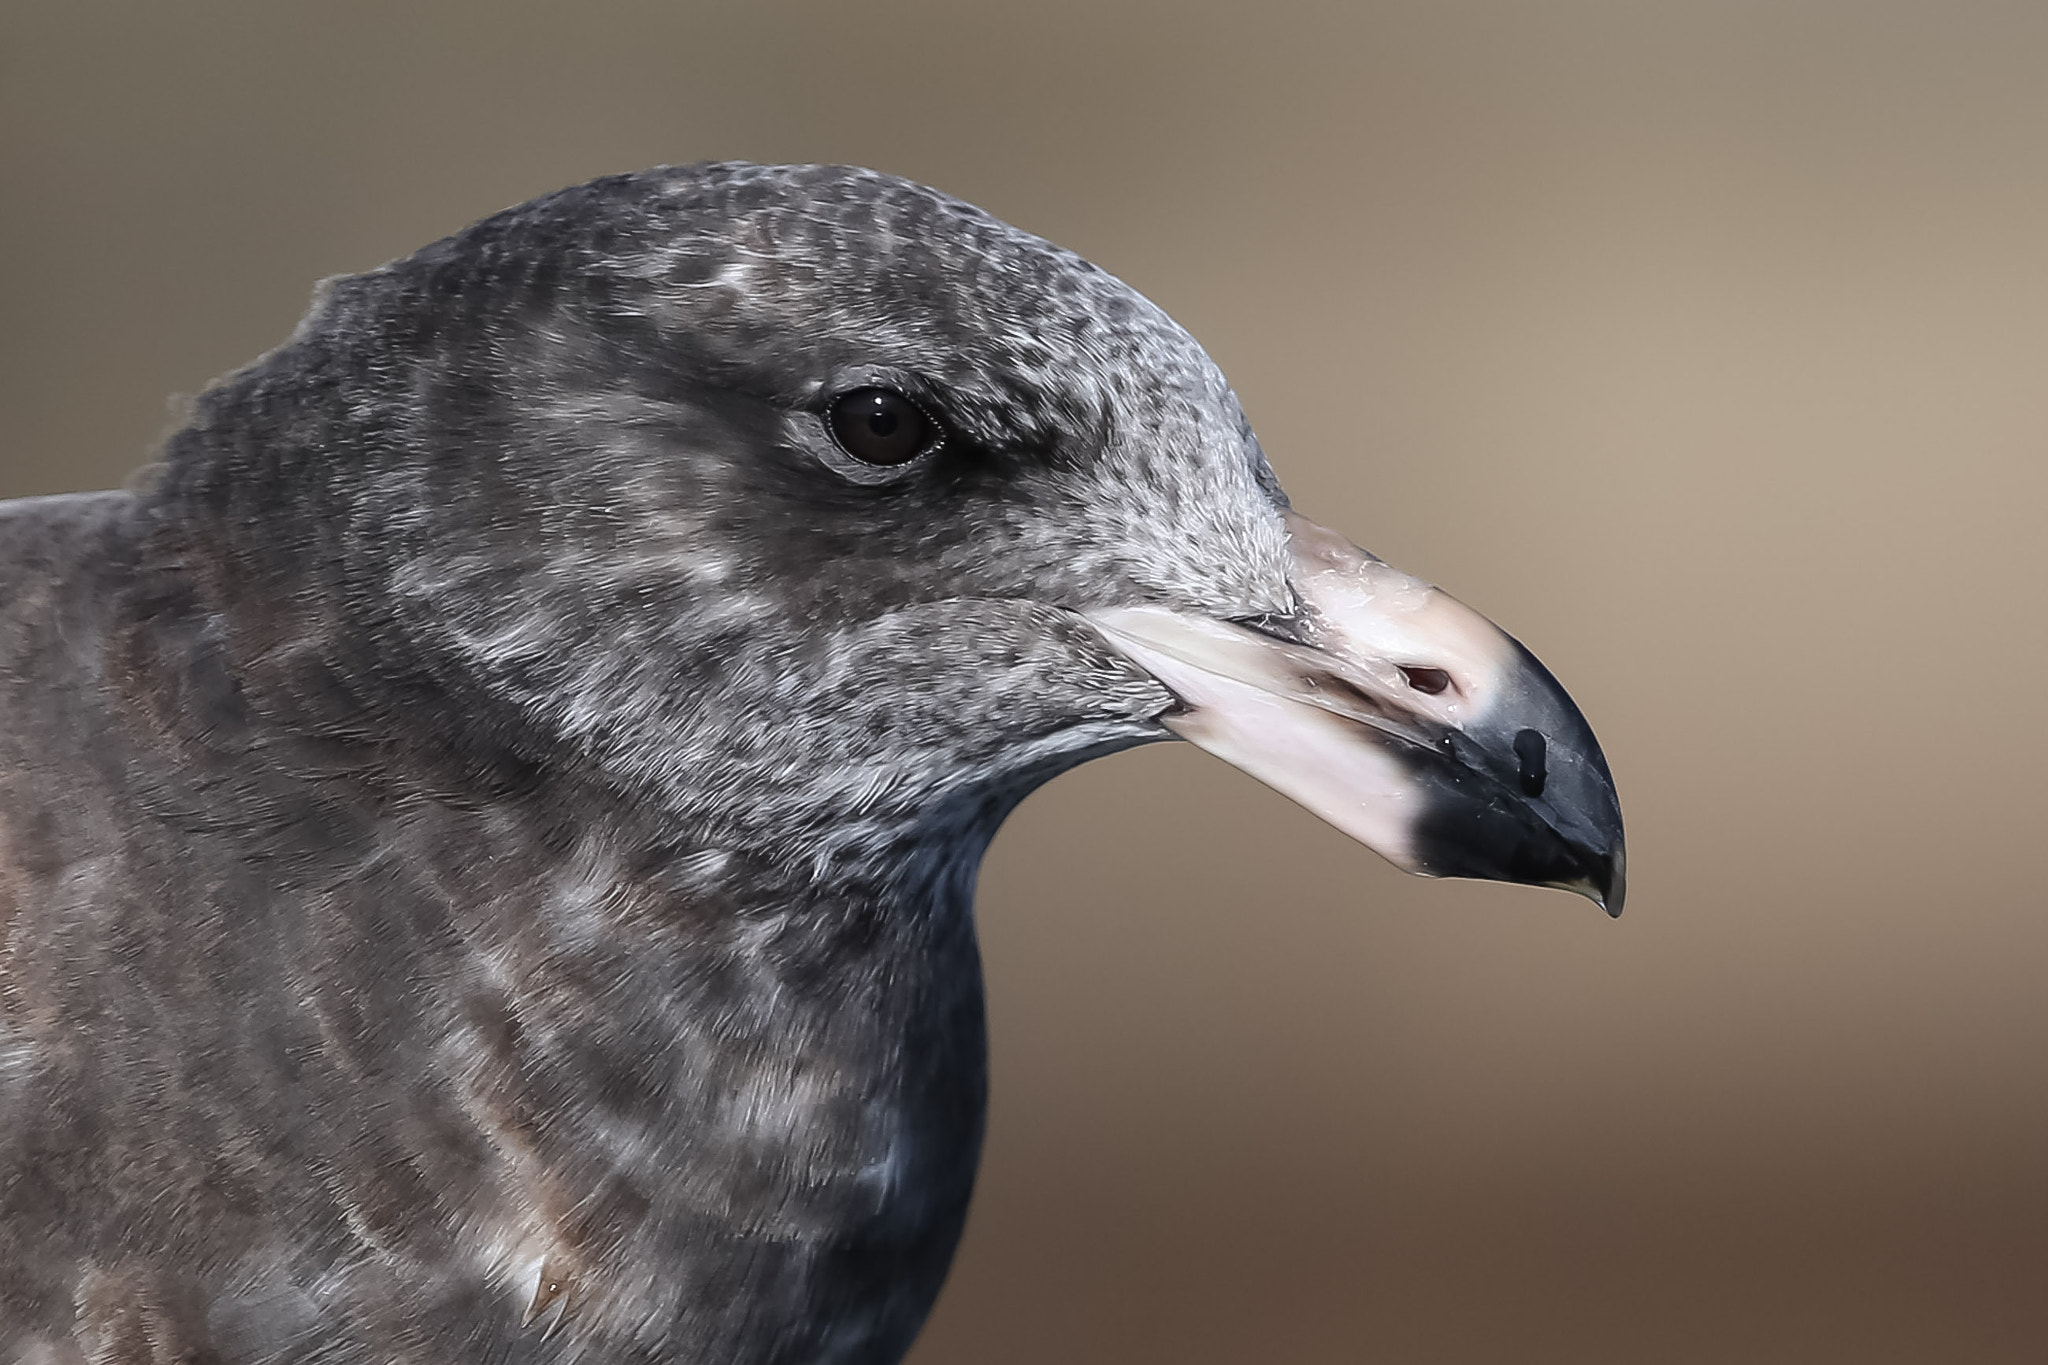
{"x": 488, "y": 826}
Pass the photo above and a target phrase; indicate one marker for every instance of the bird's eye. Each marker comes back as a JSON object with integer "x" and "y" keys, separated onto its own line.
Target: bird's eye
{"x": 881, "y": 426}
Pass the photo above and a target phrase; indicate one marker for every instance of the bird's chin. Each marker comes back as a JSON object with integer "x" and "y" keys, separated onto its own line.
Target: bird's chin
{"x": 1399, "y": 715}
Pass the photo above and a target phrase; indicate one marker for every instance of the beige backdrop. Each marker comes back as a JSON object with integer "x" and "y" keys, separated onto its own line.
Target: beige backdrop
{"x": 1703, "y": 345}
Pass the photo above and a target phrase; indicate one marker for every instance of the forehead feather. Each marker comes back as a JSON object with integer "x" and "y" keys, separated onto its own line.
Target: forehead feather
{"x": 908, "y": 275}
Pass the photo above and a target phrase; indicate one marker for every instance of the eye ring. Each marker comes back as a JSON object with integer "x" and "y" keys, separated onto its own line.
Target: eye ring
{"x": 881, "y": 427}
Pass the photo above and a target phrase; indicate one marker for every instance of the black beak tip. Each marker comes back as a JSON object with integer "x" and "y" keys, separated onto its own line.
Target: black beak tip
{"x": 1603, "y": 882}
{"x": 1499, "y": 840}
{"x": 1617, "y": 891}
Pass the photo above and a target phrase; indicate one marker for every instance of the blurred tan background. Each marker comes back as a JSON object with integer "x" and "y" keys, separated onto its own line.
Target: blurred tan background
{"x": 1704, "y": 345}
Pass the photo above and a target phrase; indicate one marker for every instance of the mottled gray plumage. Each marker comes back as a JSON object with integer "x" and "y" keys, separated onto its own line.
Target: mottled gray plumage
{"x": 487, "y": 830}
{"x": 488, "y": 827}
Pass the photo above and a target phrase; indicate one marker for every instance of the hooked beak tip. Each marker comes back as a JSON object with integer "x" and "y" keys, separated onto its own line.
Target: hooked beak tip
{"x": 1608, "y": 892}
{"x": 1617, "y": 892}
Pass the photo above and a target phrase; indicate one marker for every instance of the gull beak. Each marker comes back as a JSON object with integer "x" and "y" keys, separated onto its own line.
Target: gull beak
{"x": 1399, "y": 715}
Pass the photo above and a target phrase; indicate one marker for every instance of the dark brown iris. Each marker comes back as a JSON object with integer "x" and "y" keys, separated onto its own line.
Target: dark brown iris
{"x": 881, "y": 426}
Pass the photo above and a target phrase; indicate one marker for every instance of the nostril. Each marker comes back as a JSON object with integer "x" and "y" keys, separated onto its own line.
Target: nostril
{"x": 1426, "y": 680}
{"x": 1529, "y": 753}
